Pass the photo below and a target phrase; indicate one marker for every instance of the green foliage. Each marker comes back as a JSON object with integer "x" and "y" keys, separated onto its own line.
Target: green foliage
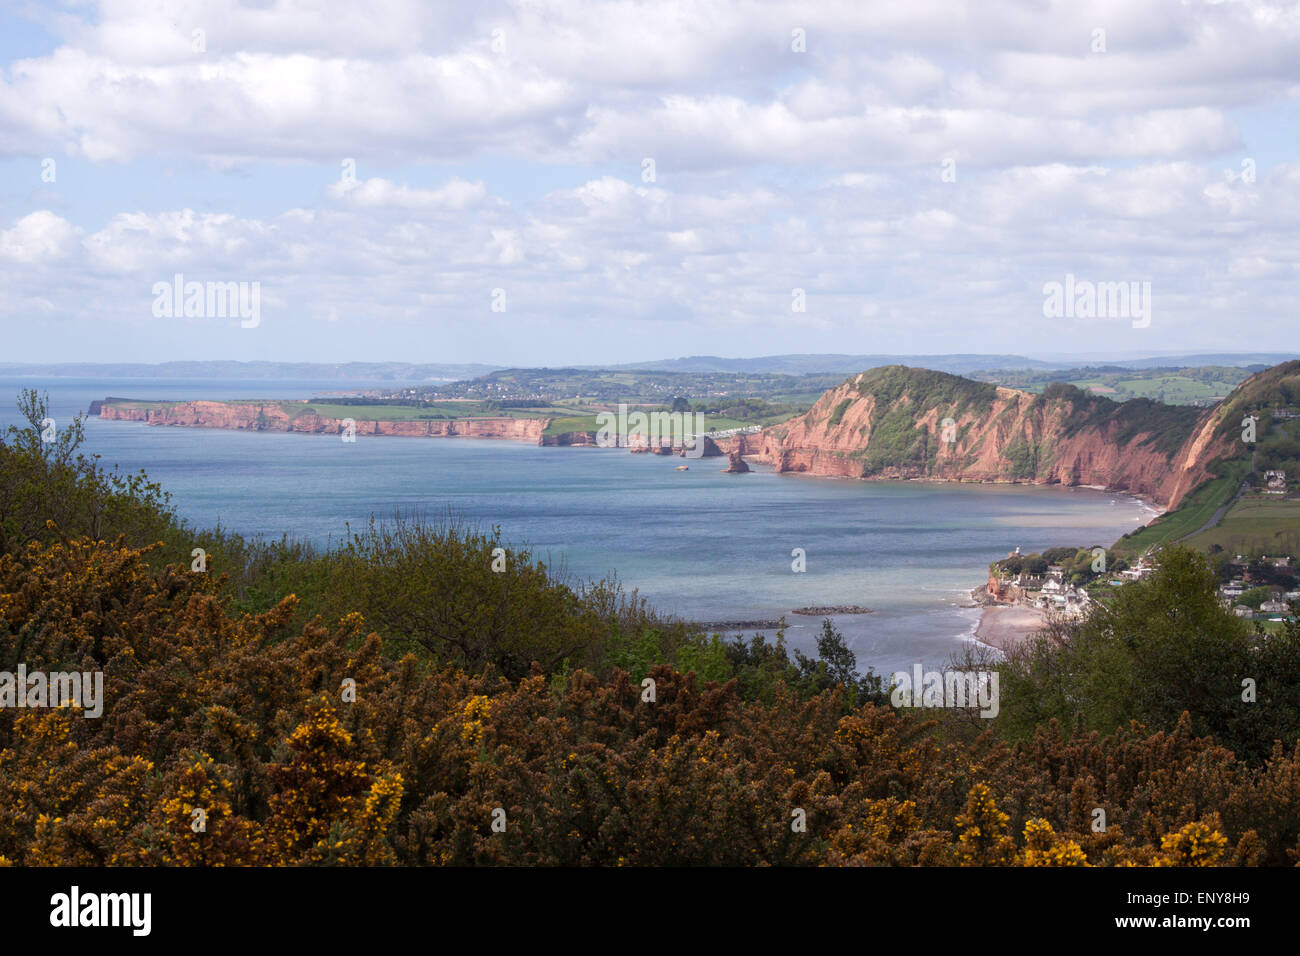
{"x": 1021, "y": 457}
{"x": 1196, "y": 509}
{"x": 1254, "y": 597}
{"x": 901, "y": 396}
{"x": 927, "y": 389}
{"x": 436, "y": 588}
{"x": 895, "y": 439}
{"x": 1057, "y": 555}
{"x": 52, "y": 481}
{"x": 838, "y": 414}
{"x": 836, "y": 666}
{"x": 1165, "y": 427}
{"x": 1278, "y": 387}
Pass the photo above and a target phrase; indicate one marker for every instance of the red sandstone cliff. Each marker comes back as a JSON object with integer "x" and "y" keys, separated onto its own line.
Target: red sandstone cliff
{"x": 272, "y": 416}
{"x": 910, "y": 423}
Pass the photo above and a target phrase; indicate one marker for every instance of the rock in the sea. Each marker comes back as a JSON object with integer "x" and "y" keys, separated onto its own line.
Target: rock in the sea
{"x": 737, "y": 465}
{"x": 822, "y": 611}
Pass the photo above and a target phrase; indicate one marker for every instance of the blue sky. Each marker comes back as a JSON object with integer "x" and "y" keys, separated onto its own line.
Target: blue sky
{"x": 503, "y": 147}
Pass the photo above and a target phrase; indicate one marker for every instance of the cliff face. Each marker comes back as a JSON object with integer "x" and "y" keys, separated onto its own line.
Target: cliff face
{"x": 287, "y": 417}
{"x": 271, "y": 416}
{"x": 896, "y": 422}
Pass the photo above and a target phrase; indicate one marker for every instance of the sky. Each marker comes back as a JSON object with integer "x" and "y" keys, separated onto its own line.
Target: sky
{"x": 553, "y": 183}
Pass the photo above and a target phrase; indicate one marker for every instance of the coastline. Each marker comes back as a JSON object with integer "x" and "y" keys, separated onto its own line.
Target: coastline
{"x": 251, "y": 415}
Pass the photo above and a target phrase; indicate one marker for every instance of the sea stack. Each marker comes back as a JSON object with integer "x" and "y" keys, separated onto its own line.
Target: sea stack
{"x": 737, "y": 465}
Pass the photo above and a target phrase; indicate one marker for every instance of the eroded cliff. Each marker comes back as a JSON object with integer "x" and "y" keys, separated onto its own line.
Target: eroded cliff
{"x": 898, "y": 422}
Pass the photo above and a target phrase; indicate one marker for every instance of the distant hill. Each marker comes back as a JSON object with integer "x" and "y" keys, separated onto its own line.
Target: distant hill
{"x": 832, "y": 364}
{"x": 797, "y": 365}
{"x": 258, "y": 371}
{"x": 1237, "y": 359}
{"x": 957, "y": 364}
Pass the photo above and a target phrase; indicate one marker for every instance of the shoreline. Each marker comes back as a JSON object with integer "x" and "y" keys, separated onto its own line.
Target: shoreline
{"x": 1007, "y": 626}
{"x": 1140, "y": 497}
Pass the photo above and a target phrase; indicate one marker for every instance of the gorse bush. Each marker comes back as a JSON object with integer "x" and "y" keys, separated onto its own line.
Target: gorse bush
{"x": 463, "y": 597}
{"x": 256, "y": 726}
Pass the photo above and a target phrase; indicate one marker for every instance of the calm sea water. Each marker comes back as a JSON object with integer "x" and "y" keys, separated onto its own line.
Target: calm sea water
{"x": 699, "y": 543}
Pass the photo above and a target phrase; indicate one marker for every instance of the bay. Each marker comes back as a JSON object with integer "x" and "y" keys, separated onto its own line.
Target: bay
{"x": 699, "y": 543}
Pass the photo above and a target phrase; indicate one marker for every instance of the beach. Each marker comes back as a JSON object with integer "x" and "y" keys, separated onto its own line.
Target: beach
{"x": 1005, "y": 627}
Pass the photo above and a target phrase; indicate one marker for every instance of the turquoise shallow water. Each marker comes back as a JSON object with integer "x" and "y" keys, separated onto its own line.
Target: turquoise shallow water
{"x": 699, "y": 543}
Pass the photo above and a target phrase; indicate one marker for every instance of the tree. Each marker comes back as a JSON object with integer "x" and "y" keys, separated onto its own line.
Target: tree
{"x": 1158, "y": 648}
{"x": 463, "y": 597}
{"x": 835, "y": 666}
{"x": 45, "y": 478}
{"x": 1035, "y": 564}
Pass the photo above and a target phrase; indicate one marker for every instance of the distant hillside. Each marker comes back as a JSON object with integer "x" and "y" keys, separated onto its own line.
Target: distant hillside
{"x": 958, "y": 364}
{"x": 791, "y": 365}
{"x": 1261, "y": 395}
{"x": 257, "y": 371}
{"x": 1236, "y": 359}
{"x": 833, "y": 364}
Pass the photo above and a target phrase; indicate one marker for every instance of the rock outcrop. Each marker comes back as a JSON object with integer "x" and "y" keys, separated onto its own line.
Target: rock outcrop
{"x": 737, "y": 465}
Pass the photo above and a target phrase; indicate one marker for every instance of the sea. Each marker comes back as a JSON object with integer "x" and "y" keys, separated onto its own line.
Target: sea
{"x": 700, "y": 544}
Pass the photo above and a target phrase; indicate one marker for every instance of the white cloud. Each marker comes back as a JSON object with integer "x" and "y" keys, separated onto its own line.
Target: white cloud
{"x": 39, "y": 237}
{"x": 706, "y": 83}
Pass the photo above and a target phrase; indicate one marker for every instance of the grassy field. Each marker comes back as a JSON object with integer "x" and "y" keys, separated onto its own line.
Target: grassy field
{"x": 1174, "y": 389}
{"x": 380, "y": 413}
{"x": 1255, "y": 526}
{"x": 405, "y": 413}
{"x": 1171, "y": 389}
{"x": 1194, "y": 512}
{"x": 1174, "y": 386}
